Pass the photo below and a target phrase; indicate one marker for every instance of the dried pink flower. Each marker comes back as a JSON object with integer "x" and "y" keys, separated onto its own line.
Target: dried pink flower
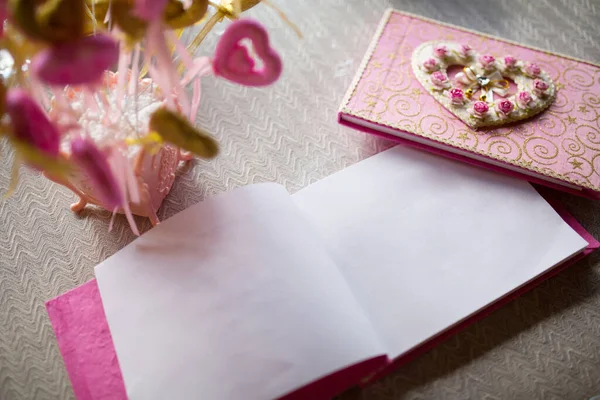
{"x": 532, "y": 70}
{"x": 431, "y": 65}
{"x": 539, "y": 87}
{"x": 524, "y": 99}
{"x": 30, "y": 123}
{"x": 94, "y": 163}
{"x": 78, "y": 62}
{"x": 440, "y": 80}
{"x": 149, "y": 10}
{"x": 440, "y": 51}
{"x": 487, "y": 62}
{"x": 465, "y": 51}
{"x": 510, "y": 62}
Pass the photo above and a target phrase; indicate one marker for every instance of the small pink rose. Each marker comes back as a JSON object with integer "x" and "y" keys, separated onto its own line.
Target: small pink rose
{"x": 457, "y": 97}
{"x": 440, "y": 80}
{"x": 524, "y": 99}
{"x": 487, "y": 62}
{"x": 540, "y": 87}
{"x": 480, "y": 108}
{"x": 504, "y": 107}
{"x": 431, "y": 65}
{"x": 440, "y": 51}
{"x": 532, "y": 70}
{"x": 465, "y": 51}
{"x": 510, "y": 62}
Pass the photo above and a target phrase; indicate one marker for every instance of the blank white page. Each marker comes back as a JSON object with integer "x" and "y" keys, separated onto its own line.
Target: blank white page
{"x": 233, "y": 298}
{"x": 425, "y": 242}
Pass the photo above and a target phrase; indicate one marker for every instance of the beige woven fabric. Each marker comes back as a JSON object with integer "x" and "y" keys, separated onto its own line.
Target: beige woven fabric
{"x": 545, "y": 345}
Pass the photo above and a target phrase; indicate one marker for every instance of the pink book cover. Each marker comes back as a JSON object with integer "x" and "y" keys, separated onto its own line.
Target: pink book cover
{"x": 89, "y": 354}
{"x": 404, "y": 91}
{"x": 85, "y": 341}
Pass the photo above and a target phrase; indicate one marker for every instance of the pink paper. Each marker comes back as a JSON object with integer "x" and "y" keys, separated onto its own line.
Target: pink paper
{"x": 562, "y": 142}
{"x": 86, "y": 344}
{"x": 88, "y": 351}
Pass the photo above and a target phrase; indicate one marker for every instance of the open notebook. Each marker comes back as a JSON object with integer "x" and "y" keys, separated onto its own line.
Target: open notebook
{"x": 257, "y": 294}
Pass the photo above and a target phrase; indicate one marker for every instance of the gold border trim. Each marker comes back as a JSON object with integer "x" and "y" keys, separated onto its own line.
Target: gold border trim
{"x": 370, "y": 50}
{"x": 369, "y": 54}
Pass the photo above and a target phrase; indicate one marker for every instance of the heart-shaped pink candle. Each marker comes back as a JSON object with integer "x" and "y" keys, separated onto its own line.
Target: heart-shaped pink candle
{"x": 233, "y": 62}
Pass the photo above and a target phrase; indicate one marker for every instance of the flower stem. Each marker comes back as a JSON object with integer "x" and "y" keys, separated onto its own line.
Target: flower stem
{"x": 217, "y": 17}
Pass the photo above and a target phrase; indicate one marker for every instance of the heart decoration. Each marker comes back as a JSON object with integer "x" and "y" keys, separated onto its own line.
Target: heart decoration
{"x": 479, "y": 95}
{"x": 233, "y": 62}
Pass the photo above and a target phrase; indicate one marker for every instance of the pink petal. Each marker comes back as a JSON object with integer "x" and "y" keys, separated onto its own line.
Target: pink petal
{"x": 30, "y": 123}
{"x": 3, "y": 15}
{"x": 120, "y": 164}
{"x": 76, "y": 63}
{"x": 156, "y": 43}
{"x": 94, "y": 163}
{"x": 149, "y": 10}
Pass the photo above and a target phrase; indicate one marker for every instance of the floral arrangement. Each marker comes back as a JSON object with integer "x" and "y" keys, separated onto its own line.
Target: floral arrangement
{"x": 481, "y": 95}
{"x": 103, "y": 95}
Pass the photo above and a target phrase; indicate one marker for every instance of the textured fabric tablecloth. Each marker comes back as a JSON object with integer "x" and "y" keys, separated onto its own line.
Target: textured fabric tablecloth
{"x": 545, "y": 345}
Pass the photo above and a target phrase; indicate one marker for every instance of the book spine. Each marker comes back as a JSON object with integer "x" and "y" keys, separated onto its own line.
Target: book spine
{"x": 590, "y": 194}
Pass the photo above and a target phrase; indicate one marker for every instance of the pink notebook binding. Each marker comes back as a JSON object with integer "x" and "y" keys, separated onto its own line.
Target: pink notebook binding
{"x": 85, "y": 342}
{"x": 419, "y": 85}
{"x": 88, "y": 351}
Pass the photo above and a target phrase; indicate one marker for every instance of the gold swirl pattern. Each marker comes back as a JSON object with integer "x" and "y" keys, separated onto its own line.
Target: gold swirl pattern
{"x": 420, "y": 34}
{"x": 495, "y": 131}
{"x": 396, "y": 81}
{"x": 373, "y": 88}
{"x": 551, "y": 124}
{"x": 406, "y": 125}
{"x": 550, "y": 67}
{"x": 405, "y": 105}
{"x": 435, "y": 125}
{"x": 588, "y": 136}
{"x": 562, "y": 142}
{"x": 591, "y": 99}
{"x": 572, "y": 147}
{"x": 396, "y": 30}
{"x": 506, "y": 147}
{"x": 541, "y": 150}
{"x": 406, "y": 52}
{"x": 376, "y": 105}
{"x": 587, "y": 113}
{"x": 561, "y": 103}
{"x": 578, "y": 78}
{"x": 523, "y": 130}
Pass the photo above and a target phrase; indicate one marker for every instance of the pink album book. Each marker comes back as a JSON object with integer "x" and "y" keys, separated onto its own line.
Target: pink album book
{"x": 259, "y": 294}
{"x": 483, "y": 100}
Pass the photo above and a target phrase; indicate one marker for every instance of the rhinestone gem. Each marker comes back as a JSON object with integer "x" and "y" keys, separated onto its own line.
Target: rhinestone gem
{"x": 483, "y": 80}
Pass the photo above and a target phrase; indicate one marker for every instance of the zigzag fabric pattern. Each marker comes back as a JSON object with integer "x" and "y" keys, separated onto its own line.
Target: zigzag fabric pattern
{"x": 545, "y": 345}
